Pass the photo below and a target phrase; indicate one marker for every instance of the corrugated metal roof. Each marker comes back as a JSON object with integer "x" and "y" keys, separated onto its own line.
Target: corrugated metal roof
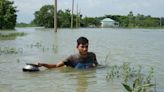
{"x": 107, "y": 19}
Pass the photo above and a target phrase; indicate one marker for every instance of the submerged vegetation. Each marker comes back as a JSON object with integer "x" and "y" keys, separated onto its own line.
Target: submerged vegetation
{"x": 43, "y": 48}
{"x": 133, "y": 80}
{"x": 11, "y": 36}
{"x": 38, "y": 45}
{"x": 10, "y": 50}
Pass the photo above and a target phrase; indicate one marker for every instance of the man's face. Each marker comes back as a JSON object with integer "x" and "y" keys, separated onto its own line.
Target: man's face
{"x": 83, "y": 49}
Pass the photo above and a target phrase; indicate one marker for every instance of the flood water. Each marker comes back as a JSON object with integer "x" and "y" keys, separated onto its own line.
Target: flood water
{"x": 137, "y": 46}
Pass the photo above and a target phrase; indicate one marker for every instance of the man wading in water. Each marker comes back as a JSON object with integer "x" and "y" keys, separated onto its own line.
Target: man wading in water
{"x": 82, "y": 60}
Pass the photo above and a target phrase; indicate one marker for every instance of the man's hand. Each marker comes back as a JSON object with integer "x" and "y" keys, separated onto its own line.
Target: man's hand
{"x": 40, "y": 64}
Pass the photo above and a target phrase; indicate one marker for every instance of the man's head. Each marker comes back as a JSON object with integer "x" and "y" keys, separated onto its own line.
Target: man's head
{"x": 82, "y": 45}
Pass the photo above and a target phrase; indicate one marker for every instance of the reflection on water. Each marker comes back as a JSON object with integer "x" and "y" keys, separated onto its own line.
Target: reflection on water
{"x": 82, "y": 82}
{"x": 112, "y": 46}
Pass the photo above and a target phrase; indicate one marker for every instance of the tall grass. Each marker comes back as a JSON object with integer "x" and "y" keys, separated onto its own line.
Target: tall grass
{"x": 133, "y": 79}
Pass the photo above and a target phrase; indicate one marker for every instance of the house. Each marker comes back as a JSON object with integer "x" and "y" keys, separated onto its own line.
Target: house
{"x": 108, "y": 22}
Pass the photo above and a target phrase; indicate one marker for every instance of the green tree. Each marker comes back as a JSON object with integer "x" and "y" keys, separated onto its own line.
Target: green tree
{"x": 162, "y": 21}
{"x": 152, "y": 22}
{"x": 64, "y": 18}
{"x": 131, "y": 19}
{"x": 91, "y": 22}
{"x": 123, "y": 20}
{"x": 7, "y": 14}
{"x": 139, "y": 20}
{"x": 44, "y": 17}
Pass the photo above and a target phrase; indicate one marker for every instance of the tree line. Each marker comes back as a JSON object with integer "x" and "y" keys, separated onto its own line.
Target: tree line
{"x": 137, "y": 21}
{"x": 45, "y": 17}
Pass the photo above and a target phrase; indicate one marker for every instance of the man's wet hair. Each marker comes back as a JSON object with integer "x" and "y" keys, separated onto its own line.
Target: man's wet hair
{"x": 82, "y": 40}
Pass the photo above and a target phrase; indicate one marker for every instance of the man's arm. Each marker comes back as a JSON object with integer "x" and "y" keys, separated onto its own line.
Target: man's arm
{"x": 95, "y": 60}
{"x": 59, "y": 64}
{"x": 96, "y": 63}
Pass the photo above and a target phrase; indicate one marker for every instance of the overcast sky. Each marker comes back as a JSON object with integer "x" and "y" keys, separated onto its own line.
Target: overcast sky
{"x": 92, "y": 8}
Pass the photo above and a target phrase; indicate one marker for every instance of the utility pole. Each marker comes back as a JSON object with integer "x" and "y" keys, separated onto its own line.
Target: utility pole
{"x": 55, "y": 16}
{"x": 160, "y": 21}
{"x": 77, "y": 17}
{"x": 72, "y": 14}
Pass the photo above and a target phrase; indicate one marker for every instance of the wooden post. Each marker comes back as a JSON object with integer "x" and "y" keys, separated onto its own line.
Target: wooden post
{"x": 55, "y": 16}
{"x": 72, "y": 14}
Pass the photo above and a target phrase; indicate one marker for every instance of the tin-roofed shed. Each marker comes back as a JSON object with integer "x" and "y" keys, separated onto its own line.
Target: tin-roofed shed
{"x": 108, "y": 22}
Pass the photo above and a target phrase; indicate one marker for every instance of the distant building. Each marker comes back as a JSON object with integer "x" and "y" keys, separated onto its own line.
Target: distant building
{"x": 107, "y": 22}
